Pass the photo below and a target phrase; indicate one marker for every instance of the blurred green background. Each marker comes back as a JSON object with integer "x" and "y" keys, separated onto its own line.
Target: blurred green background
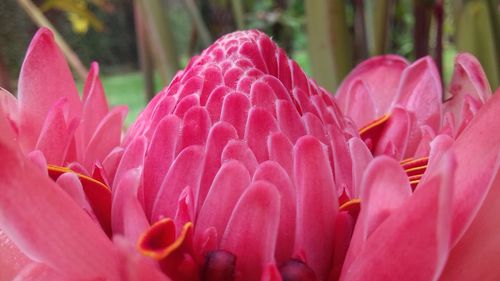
{"x": 140, "y": 44}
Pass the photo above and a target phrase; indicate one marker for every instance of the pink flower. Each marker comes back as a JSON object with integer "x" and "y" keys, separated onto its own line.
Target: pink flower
{"x": 57, "y": 230}
{"x": 237, "y": 171}
{"x": 437, "y": 224}
{"x": 387, "y": 96}
{"x": 242, "y": 159}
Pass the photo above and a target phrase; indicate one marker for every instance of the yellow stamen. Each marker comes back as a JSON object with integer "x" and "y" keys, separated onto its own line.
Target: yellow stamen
{"x": 349, "y": 204}
{"x": 374, "y": 123}
{"x": 418, "y": 168}
{"x": 82, "y": 177}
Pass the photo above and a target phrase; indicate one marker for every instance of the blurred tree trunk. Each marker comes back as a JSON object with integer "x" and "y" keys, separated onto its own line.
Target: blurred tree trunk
{"x": 281, "y": 32}
{"x": 219, "y": 17}
{"x": 144, "y": 50}
{"x": 378, "y": 19}
{"x": 238, "y": 13}
{"x": 330, "y": 44}
{"x": 422, "y": 13}
{"x": 438, "y": 49}
{"x": 360, "y": 44}
{"x": 201, "y": 27}
{"x": 37, "y": 16}
{"x": 161, "y": 38}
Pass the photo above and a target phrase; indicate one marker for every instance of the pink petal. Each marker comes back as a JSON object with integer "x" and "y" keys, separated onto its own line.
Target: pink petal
{"x": 316, "y": 204}
{"x": 394, "y": 139}
{"x": 220, "y": 134}
{"x": 8, "y": 105}
{"x": 279, "y": 151}
{"x": 70, "y": 183}
{"x": 12, "y": 259}
{"x": 385, "y": 188}
{"x": 360, "y": 157}
{"x": 235, "y": 111}
{"x": 44, "y": 79}
{"x": 249, "y": 50}
{"x": 229, "y": 183}
{"x": 262, "y": 95}
{"x": 56, "y": 134}
{"x": 185, "y": 104}
{"x": 95, "y": 105}
{"x": 185, "y": 171}
{"x": 420, "y": 92}
{"x": 469, "y": 78}
{"x": 239, "y": 150}
{"x": 381, "y": 75}
{"x": 39, "y": 272}
{"x": 212, "y": 77}
{"x": 273, "y": 173}
{"x": 475, "y": 256}
{"x": 106, "y": 136}
{"x": 72, "y": 243}
{"x": 159, "y": 157}
{"x": 414, "y": 240}
{"x": 284, "y": 72}
{"x": 134, "y": 266}
{"x": 215, "y": 101}
{"x": 344, "y": 226}
{"x": 360, "y": 105}
{"x": 341, "y": 159}
{"x": 477, "y": 150}
{"x": 253, "y": 228}
{"x": 314, "y": 127}
{"x": 289, "y": 120}
{"x": 259, "y": 126}
{"x": 133, "y": 157}
{"x": 110, "y": 164}
{"x": 196, "y": 124}
{"x": 128, "y": 218}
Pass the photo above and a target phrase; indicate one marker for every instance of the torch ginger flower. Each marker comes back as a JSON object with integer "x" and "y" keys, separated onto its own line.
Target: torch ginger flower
{"x": 243, "y": 168}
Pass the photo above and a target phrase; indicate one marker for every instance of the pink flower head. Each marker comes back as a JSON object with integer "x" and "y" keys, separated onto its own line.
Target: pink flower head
{"x": 242, "y": 159}
{"x": 236, "y": 171}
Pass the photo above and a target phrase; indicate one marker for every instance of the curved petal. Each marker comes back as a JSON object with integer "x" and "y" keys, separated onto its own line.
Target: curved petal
{"x": 56, "y": 134}
{"x": 39, "y": 272}
{"x": 45, "y": 222}
{"x": 12, "y": 259}
{"x": 230, "y": 182}
{"x": 420, "y": 91}
{"x": 95, "y": 105}
{"x": 381, "y": 75}
{"x": 44, "y": 79}
{"x": 477, "y": 150}
{"x": 475, "y": 257}
{"x": 415, "y": 239}
{"x": 127, "y": 216}
{"x": 316, "y": 204}
{"x": 106, "y": 136}
{"x": 159, "y": 157}
{"x": 272, "y": 172}
{"x": 252, "y": 230}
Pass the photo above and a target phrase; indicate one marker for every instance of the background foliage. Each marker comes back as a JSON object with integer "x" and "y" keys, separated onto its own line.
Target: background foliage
{"x": 140, "y": 44}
